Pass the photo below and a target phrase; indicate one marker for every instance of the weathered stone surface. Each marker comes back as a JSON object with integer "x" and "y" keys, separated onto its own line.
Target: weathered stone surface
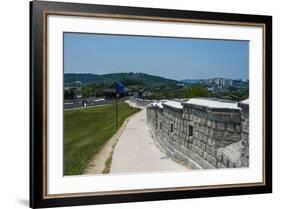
{"x": 230, "y": 127}
{"x": 213, "y": 125}
{"x": 219, "y": 155}
{"x": 219, "y": 135}
{"x": 203, "y": 146}
{"x": 210, "y": 141}
{"x": 205, "y": 139}
{"x": 205, "y": 154}
{"x": 214, "y": 134}
{"x": 244, "y": 134}
{"x": 221, "y": 126}
{"x": 238, "y": 128}
{"x": 209, "y": 158}
{"x": 214, "y": 161}
{"x": 213, "y": 151}
{"x": 211, "y": 133}
{"x": 217, "y": 117}
{"x": 236, "y": 118}
{"x": 226, "y": 117}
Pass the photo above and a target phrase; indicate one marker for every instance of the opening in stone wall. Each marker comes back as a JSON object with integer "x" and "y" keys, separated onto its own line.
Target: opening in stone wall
{"x": 190, "y": 130}
{"x": 172, "y": 128}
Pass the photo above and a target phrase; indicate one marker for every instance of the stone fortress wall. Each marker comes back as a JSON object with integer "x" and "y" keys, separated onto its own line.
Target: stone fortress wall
{"x": 140, "y": 102}
{"x": 244, "y": 132}
{"x": 201, "y": 133}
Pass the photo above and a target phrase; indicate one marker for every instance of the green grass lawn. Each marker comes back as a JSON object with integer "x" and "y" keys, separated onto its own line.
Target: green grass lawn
{"x": 86, "y": 130}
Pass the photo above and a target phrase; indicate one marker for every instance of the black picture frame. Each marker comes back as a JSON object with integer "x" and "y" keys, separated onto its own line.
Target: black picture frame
{"x": 38, "y": 88}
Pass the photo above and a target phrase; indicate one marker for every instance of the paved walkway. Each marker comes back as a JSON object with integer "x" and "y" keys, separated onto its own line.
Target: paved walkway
{"x": 136, "y": 151}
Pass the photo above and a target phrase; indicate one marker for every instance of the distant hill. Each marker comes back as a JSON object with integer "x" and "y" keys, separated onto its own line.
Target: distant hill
{"x": 73, "y": 79}
{"x": 190, "y": 81}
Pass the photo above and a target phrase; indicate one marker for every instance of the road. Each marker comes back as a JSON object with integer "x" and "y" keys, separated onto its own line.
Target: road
{"x": 136, "y": 151}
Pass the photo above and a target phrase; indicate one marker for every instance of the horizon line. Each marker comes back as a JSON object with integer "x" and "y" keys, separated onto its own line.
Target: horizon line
{"x": 90, "y": 73}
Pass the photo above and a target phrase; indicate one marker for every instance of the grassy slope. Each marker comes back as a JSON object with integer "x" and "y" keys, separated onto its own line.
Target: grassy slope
{"x": 87, "y": 130}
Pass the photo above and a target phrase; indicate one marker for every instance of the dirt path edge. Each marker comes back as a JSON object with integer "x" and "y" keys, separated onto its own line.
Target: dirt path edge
{"x": 97, "y": 165}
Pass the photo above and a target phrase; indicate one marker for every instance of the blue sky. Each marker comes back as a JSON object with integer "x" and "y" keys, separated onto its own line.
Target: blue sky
{"x": 174, "y": 58}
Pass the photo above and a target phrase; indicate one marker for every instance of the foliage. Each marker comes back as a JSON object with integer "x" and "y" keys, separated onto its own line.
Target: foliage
{"x": 197, "y": 90}
{"x": 108, "y": 163}
{"x": 92, "y": 90}
{"x": 130, "y": 81}
{"x": 87, "y": 91}
{"x": 232, "y": 94}
{"x": 133, "y": 84}
{"x": 69, "y": 93}
{"x": 140, "y": 79}
{"x": 86, "y": 131}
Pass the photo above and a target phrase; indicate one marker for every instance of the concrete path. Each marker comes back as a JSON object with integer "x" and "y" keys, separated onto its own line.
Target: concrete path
{"x": 98, "y": 164}
{"x": 136, "y": 151}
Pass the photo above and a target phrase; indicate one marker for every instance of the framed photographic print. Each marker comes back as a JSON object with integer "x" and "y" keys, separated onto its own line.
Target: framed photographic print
{"x": 140, "y": 104}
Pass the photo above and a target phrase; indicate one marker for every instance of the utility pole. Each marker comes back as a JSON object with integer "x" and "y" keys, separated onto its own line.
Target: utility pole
{"x": 116, "y": 109}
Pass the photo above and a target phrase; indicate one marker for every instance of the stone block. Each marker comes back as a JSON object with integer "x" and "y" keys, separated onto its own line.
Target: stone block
{"x": 213, "y": 124}
{"x": 226, "y": 117}
{"x": 195, "y": 142}
{"x": 218, "y": 135}
{"x": 195, "y": 149}
{"x": 213, "y": 151}
{"x": 192, "y": 147}
{"x": 214, "y": 161}
{"x": 205, "y": 155}
{"x": 211, "y": 132}
{"x": 219, "y": 156}
{"x": 218, "y": 117}
{"x": 245, "y": 139}
{"x": 221, "y": 126}
{"x": 210, "y": 116}
{"x": 204, "y": 121}
{"x": 203, "y": 146}
{"x": 200, "y": 129}
{"x": 199, "y": 144}
{"x": 196, "y": 135}
{"x": 214, "y": 143}
{"x": 208, "y": 150}
{"x": 245, "y": 127}
{"x": 206, "y": 132}
{"x": 209, "y": 158}
{"x": 236, "y": 118}
{"x": 205, "y": 139}
{"x": 230, "y": 127}
{"x": 209, "y": 123}
{"x": 238, "y": 128}
{"x": 225, "y": 160}
{"x": 200, "y": 136}
{"x": 200, "y": 152}
{"x": 209, "y": 141}
{"x": 231, "y": 164}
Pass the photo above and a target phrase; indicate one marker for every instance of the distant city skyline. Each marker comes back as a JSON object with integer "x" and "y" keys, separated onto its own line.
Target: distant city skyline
{"x": 173, "y": 58}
